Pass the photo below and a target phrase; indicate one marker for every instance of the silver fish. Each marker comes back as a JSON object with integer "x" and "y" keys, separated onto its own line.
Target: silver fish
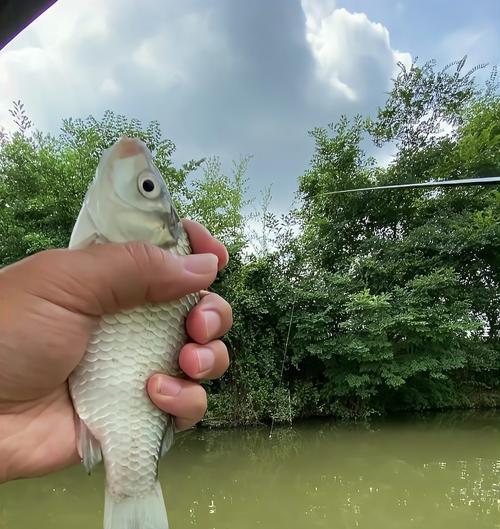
{"x": 128, "y": 200}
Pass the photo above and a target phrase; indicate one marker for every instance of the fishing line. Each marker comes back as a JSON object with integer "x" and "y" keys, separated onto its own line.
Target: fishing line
{"x": 283, "y": 360}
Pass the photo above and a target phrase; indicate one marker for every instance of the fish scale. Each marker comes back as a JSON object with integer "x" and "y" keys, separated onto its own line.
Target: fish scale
{"x": 108, "y": 387}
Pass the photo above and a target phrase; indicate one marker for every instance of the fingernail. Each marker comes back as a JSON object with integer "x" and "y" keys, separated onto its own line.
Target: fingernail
{"x": 205, "y": 358}
{"x": 201, "y": 263}
{"x": 169, "y": 387}
{"x": 212, "y": 322}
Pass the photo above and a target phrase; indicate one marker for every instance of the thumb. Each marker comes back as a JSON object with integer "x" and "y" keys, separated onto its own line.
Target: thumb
{"x": 107, "y": 278}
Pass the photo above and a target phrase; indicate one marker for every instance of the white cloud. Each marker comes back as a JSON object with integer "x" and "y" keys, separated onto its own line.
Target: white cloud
{"x": 110, "y": 86}
{"x": 349, "y": 49}
{"x": 79, "y": 54}
{"x": 144, "y": 55}
{"x": 45, "y": 67}
{"x": 153, "y": 59}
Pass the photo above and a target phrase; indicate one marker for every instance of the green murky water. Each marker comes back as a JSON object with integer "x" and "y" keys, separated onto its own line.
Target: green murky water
{"x": 441, "y": 472}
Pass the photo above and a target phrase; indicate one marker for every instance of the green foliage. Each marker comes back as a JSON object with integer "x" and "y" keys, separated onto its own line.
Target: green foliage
{"x": 43, "y": 180}
{"x": 258, "y": 294}
{"x": 420, "y": 325}
{"x": 217, "y": 201}
{"x": 422, "y": 100}
{"x": 350, "y": 305}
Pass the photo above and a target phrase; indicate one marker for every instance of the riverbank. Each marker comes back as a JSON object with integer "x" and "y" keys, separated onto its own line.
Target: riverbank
{"x": 220, "y": 415}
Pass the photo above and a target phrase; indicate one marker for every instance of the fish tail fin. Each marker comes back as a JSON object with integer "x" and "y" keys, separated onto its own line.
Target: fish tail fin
{"x": 144, "y": 512}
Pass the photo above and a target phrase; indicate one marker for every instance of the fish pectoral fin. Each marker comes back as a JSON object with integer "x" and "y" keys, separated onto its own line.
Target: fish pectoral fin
{"x": 168, "y": 437}
{"x": 88, "y": 446}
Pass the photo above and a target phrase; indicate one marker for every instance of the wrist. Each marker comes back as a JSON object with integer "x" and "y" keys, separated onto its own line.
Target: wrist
{"x": 13, "y": 434}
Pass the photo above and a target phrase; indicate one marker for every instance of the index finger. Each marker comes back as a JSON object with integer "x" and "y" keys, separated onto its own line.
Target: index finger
{"x": 203, "y": 242}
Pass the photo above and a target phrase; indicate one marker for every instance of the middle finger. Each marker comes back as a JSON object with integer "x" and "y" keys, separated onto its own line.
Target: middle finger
{"x": 210, "y": 319}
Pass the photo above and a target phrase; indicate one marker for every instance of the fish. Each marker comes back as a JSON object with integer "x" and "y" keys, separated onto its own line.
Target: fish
{"x": 116, "y": 422}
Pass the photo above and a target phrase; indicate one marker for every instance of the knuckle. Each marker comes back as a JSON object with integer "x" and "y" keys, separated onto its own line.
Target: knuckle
{"x": 139, "y": 252}
{"x": 145, "y": 256}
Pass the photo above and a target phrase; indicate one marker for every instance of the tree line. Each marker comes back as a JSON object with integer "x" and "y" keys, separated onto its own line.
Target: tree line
{"x": 352, "y": 304}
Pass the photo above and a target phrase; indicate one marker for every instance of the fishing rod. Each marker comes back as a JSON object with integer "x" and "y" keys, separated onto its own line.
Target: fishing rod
{"x": 484, "y": 181}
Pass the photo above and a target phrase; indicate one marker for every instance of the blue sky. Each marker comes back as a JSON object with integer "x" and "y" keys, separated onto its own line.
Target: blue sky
{"x": 233, "y": 77}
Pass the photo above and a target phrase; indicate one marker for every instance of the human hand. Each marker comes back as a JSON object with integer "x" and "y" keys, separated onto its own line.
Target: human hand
{"x": 49, "y": 305}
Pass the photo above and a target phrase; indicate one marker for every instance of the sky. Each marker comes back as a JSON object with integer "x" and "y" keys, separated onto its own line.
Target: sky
{"x": 232, "y": 78}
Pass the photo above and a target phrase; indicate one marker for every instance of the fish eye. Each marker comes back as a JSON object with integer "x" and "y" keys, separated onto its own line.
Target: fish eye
{"x": 148, "y": 187}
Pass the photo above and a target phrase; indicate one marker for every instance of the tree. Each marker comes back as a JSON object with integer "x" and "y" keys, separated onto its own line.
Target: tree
{"x": 421, "y": 267}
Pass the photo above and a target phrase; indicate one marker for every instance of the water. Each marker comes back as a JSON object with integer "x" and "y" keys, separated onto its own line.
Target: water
{"x": 433, "y": 473}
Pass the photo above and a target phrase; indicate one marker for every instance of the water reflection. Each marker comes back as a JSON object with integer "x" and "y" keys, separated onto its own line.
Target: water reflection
{"x": 430, "y": 472}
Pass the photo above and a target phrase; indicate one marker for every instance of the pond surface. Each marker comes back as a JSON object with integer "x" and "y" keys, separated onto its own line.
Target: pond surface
{"x": 427, "y": 473}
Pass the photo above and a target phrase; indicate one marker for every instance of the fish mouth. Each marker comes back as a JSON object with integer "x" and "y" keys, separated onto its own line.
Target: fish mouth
{"x": 126, "y": 147}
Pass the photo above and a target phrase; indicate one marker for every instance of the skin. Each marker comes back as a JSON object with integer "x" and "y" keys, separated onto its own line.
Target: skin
{"x": 49, "y": 305}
